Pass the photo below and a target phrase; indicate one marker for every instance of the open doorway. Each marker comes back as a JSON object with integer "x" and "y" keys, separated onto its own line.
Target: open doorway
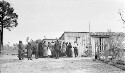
{"x": 101, "y": 45}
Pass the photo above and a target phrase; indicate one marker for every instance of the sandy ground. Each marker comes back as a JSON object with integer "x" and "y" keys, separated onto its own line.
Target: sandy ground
{"x": 11, "y": 64}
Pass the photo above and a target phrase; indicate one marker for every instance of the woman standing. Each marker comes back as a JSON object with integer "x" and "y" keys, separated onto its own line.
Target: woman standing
{"x": 40, "y": 49}
{"x": 52, "y": 49}
{"x": 63, "y": 50}
{"x": 20, "y": 50}
{"x": 49, "y": 49}
{"x": 69, "y": 50}
{"x": 45, "y": 54}
{"x": 29, "y": 51}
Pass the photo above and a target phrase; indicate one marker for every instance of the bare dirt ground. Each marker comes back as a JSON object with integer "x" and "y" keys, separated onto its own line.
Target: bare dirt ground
{"x": 11, "y": 64}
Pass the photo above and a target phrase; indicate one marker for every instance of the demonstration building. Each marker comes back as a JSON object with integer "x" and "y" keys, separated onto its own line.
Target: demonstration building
{"x": 96, "y": 42}
{"x": 81, "y": 38}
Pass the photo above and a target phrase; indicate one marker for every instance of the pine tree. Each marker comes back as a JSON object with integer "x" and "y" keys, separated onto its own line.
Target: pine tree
{"x": 8, "y": 19}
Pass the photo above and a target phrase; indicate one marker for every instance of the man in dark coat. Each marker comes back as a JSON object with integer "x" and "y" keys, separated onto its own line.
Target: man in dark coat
{"x": 20, "y": 50}
{"x": 57, "y": 49}
{"x": 36, "y": 50}
{"x": 67, "y": 49}
{"x": 40, "y": 49}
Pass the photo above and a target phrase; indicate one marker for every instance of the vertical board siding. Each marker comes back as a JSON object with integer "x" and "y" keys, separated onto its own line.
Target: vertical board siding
{"x": 82, "y": 40}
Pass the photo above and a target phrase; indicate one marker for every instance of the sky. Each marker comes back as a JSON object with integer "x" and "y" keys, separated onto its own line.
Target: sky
{"x": 50, "y": 18}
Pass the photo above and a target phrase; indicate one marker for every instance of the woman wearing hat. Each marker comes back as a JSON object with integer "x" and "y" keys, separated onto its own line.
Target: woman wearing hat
{"x": 20, "y": 50}
{"x": 29, "y": 51}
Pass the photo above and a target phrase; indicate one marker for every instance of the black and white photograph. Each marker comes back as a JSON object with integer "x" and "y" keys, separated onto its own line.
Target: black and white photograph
{"x": 62, "y": 36}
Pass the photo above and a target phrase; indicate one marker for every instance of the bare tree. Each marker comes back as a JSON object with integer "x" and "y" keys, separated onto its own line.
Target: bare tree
{"x": 115, "y": 42}
{"x": 121, "y": 15}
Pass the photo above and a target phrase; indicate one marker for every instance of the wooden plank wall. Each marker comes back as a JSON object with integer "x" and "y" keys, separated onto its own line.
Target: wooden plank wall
{"x": 82, "y": 41}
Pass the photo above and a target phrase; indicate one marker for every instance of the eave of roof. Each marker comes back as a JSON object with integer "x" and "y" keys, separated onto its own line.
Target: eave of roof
{"x": 74, "y": 32}
{"x": 51, "y": 39}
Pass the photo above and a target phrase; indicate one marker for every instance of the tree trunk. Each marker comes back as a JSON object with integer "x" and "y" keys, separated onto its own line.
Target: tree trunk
{"x": 1, "y": 42}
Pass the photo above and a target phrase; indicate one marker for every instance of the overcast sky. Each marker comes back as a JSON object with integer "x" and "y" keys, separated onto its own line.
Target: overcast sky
{"x": 50, "y": 18}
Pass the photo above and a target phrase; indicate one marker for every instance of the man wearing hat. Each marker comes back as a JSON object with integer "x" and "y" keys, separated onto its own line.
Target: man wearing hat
{"x": 57, "y": 49}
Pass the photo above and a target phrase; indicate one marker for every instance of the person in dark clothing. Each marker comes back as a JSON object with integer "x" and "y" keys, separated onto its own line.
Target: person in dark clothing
{"x": 69, "y": 47}
{"x": 36, "y": 49}
{"x": 29, "y": 51}
{"x": 20, "y": 50}
{"x": 57, "y": 49}
{"x": 40, "y": 50}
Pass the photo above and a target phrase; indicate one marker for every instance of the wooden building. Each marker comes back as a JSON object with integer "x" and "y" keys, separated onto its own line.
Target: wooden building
{"x": 81, "y": 38}
{"x": 97, "y": 42}
{"x": 101, "y": 42}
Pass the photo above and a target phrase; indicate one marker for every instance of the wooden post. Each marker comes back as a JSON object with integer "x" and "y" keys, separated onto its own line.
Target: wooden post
{"x": 90, "y": 46}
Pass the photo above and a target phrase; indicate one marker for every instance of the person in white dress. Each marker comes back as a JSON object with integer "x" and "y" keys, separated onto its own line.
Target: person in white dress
{"x": 63, "y": 49}
{"x": 49, "y": 49}
{"x": 79, "y": 50}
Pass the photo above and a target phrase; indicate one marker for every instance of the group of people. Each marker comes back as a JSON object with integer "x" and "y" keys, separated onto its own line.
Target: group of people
{"x": 50, "y": 49}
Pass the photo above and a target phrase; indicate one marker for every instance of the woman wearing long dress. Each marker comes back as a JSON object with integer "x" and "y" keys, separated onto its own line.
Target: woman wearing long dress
{"x": 52, "y": 49}
{"x": 63, "y": 50}
{"x": 69, "y": 50}
{"x": 49, "y": 49}
{"x": 79, "y": 50}
{"x": 40, "y": 49}
{"x": 20, "y": 50}
{"x": 45, "y": 54}
{"x": 29, "y": 51}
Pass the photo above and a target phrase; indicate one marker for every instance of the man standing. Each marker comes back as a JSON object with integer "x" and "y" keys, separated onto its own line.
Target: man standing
{"x": 40, "y": 49}
{"x": 20, "y": 50}
{"x": 75, "y": 49}
{"x": 57, "y": 49}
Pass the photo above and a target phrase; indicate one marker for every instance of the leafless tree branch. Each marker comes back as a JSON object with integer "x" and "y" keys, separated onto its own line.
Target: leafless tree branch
{"x": 120, "y": 13}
